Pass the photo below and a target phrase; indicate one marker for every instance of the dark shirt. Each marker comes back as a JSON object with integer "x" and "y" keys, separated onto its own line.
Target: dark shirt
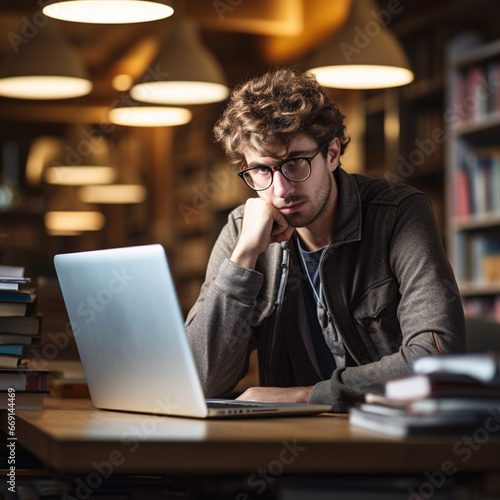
{"x": 324, "y": 356}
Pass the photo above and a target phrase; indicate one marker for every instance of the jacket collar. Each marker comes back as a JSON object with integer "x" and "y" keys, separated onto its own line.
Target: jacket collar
{"x": 347, "y": 225}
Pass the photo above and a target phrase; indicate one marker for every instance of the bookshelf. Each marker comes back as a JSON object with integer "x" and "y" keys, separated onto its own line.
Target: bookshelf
{"x": 472, "y": 117}
{"x": 206, "y": 190}
{"x": 404, "y": 136}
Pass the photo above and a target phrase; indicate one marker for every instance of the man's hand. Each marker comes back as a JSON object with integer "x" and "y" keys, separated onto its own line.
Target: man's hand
{"x": 262, "y": 225}
{"x": 277, "y": 394}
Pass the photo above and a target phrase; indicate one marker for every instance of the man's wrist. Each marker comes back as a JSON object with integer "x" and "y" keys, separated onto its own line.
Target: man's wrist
{"x": 244, "y": 258}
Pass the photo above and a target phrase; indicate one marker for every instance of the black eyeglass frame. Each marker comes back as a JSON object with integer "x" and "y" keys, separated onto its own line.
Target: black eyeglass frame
{"x": 278, "y": 167}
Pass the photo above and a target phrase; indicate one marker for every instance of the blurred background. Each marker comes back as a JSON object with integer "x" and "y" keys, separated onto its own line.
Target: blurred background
{"x": 76, "y": 175}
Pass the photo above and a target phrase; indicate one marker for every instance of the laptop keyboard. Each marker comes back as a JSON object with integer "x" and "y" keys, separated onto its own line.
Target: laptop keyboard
{"x": 221, "y": 405}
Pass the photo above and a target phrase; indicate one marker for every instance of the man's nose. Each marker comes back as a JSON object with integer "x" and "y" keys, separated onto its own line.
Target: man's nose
{"x": 281, "y": 185}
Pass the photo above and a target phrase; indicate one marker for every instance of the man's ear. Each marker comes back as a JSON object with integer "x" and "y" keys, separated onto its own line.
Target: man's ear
{"x": 333, "y": 155}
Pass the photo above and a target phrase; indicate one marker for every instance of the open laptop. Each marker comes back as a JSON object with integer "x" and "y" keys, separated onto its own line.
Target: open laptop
{"x": 131, "y": 339}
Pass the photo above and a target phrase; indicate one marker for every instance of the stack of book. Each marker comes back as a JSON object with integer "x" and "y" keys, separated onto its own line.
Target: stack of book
{"x": 20, "y": 324}
{"x": 450, "y": 394}
{"x": 20, "y": 327}
{"x": 22, "y": 388}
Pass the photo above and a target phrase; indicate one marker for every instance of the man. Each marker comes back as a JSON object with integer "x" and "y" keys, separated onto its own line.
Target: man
{"x": 340, "y": 281}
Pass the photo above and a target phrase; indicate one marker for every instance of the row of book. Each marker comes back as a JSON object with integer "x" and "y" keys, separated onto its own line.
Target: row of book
{"x": 486, "y": 307}
{"x": 478, "y": 258}
{"x": 20, "y": 328}
{"x": 449, "y": 394}
{"x": 477, "y": 184}
{"x": 476, "y": 91}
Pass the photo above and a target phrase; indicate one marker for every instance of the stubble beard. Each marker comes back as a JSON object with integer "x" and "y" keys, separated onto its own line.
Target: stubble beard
{"x": 299, "y": 220}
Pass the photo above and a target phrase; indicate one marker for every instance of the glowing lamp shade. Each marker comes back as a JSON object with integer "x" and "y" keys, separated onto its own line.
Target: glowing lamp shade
{"x": 44, "y": 68}
{"x": 113, "y": 194}
{"x": 108, "y": 11}
{"x": 364, "y": 54}
{"x": 362, "y": 76}
{"x": 149, "y": 116}
{"x": 184, "y": 71}
{"x": 181, "y": 92}
{"x": 44, "y": 87}
{"x": 74, "y": 221}
{"x": 79, "y": 175}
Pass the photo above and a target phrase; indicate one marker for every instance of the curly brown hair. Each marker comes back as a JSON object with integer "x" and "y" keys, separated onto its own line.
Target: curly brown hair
{"x": 267, "y": 112}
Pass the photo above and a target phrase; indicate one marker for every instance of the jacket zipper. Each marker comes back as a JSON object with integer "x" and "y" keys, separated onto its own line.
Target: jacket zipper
{"x": 326, "y": 296}
{"x": 285, "y": 262}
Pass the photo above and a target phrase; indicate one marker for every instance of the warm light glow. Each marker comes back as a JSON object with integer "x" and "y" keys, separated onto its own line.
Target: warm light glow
{"x": 44, "y": 87}
{"x": 74, "y": 221}
{"x": 122, "y": 82}
{"x": 363, "y": 76}
{"x": 80, "y": 176}
{"x": 179, "y": 92}
{"x": 149, "y": 116}
{"x": 115, "y": 193}
{"x": 53, "y": 232}
{"x": 108, "y": 11}
{"x": 43, "y": 151}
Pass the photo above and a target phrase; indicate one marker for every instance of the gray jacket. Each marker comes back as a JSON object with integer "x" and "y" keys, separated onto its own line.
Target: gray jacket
{"x": 386, "y": 282}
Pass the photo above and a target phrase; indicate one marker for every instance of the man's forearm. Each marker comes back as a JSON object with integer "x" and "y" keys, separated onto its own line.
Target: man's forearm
{"x": 219, "y": 328}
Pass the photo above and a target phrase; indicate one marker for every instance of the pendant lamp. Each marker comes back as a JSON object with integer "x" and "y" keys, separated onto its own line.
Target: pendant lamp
{"x": 184, "y": 71}
{"x": 80, "y": 175}
{"x": 113, "y": 194}
{"x": 74, "y": 221}
{"x": 84, "y": 159}
{"x": 139, "y": 115}
{"x": 44, "y": 68}
{"x": 108, "y": 11}
{"x": 364, "y": 54}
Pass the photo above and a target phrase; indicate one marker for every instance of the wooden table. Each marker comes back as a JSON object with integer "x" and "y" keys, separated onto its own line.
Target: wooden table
{"x": 74, "y": 437}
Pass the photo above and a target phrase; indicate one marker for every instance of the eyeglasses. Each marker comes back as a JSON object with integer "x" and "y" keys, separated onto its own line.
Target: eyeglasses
{"x": 293, "y": 169}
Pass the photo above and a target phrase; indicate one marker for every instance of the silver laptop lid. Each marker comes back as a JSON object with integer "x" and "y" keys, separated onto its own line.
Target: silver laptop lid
{"x": 129, "y": 331}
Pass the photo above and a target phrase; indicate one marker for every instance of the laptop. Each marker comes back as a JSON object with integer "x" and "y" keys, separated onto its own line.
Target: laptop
{"x": 130, "y": 335}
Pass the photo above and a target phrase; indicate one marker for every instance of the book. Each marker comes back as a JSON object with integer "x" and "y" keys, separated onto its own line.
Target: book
{"x": 14, "y": 338}
{"x": 476, "y": 86}
{"x": 23, "y": 379}
{"x": 16, "y": 295}
{"x": 434, "y": 404}
{"x": 17, "y": 303}
{"x": 12, "y": 349}
{"x": 424, "y": 385}
{"x": 484, "y": 367}
{"x": 22, "y": 400}
{"x": 462, "y": 198}
{"x": 12, "y": 309}
{"x": 9, "y": 361}
{"x": 402, "y": 424}
{"x": 21, "y": 325}
{"x": 11, "y": 277}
